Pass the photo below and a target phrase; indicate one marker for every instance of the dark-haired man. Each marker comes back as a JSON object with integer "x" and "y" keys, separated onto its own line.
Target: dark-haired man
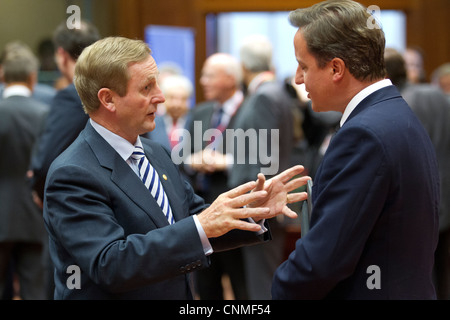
{"x": 374, "y": 222}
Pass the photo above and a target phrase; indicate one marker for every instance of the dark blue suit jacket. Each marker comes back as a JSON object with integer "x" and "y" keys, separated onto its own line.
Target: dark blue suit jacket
{"x": 65, "y": 121}
{"x": 376, "y": 200}
{"x": 101, "y": 218}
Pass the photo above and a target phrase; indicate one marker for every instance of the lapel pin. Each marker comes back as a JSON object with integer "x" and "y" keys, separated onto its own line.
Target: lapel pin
{"x": 164, "y": 177}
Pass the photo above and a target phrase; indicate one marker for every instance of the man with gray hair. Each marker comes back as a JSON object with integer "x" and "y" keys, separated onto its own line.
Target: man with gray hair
{"x": 221, "y": 83}
{"x": 22, "y": 232}
{"x": 266, "y": 112}
{"x": 375, "y": 199}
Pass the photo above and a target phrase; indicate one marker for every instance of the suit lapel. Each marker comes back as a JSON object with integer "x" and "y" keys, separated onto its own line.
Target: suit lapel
{"x": 124, "y": 177}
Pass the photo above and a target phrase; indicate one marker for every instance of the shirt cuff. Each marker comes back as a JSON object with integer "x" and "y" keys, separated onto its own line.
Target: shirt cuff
{"x": 261, "y": 223}
{"x": 207, "y": 248}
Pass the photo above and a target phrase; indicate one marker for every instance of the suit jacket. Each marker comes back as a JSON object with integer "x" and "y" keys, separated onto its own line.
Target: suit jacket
{"x": 433, "y": 109}
{"x": 101, "y": 218}
{"x": 21, "y": 123}
{"x": 209, "y": 185}
{"x": 65, "y": 121}
{"x": 270, "y": 107}
{"x": 375, "y": 205}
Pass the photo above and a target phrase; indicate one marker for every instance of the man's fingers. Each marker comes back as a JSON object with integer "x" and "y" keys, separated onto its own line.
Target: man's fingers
{"x": 260, "y": 182}
{"x": 296, "y": 197}
{"x": 240, "y": 190}
{"x": 247, "y": 198}
{"x": 297, "y": 183}
{"x": 289, "y": 213}
{"x": 247, "y": 226}
{"x": 288, "y": 174}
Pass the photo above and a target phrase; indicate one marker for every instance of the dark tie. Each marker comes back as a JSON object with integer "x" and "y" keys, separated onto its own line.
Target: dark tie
{"x": 217, "y": 118}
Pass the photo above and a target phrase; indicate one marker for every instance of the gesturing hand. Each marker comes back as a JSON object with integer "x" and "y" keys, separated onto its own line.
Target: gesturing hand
{"x": 278, "y": 188}
{"x": 226, "y": 212}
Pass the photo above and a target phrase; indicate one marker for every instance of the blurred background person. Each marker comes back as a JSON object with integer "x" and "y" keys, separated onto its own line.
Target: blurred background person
{"x": 41, "y": 92}
{"x": 441, "y": 78}
{"x": 177, "y": 90}
{"x": 22, "y": 233}
{"x": 66, "y": 117}
{"x": 433, "y": 110}
{"x": 267, "y": 106}
{"x": 415, "y": 71}
{"x": 221, "y": 83}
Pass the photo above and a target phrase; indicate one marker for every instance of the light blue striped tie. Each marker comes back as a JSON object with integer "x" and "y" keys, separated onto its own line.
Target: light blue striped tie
{"x": 151, "y": 180}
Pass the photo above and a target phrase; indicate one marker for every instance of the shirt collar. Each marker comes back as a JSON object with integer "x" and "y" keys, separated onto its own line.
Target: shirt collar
{"x": 16, "y": 90}
{"x": 230, "y": 106}
{"x": 121, "y": 145}
{"x": 360, "y": 96}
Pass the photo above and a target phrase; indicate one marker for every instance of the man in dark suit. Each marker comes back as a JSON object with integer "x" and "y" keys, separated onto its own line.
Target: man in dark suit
{"x": 22, "y": 232}
{"x": 265, "y": 114}
{"x": 374, "y": 221}
{"x": 111, "y": 235}
{"x": 66, "y": 118}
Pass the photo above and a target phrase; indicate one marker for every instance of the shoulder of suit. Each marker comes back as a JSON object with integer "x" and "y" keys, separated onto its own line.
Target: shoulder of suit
{"x": 203, "y": 107}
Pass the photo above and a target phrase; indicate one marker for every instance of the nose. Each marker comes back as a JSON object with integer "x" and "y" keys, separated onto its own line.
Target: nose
{"x": 299, "y": 76}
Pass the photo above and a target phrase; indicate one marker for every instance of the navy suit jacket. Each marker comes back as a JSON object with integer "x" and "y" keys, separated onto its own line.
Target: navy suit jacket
{"x": 65, "y": 121}
{"x": 101, "y": 218}
{"x": 375, "y": 205}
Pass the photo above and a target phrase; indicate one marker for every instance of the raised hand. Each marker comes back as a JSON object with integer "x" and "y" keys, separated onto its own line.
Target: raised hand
{"x": 226, "y": 212}
{"x": 278, "y": 188}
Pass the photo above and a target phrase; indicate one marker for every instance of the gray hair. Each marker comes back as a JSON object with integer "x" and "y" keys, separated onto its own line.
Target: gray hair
{"x": 230, "y": 65}
{"x": 256, "y": 53}
{"x": 443, "y": 70}
{"x": 177, "y": 81}
{"x": 340, "y": 29}
{"x": 18, "y": 63}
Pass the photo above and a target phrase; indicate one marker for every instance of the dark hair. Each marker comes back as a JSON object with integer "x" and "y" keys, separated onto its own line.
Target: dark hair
{"x": 73, "y": 41}
{"x": 395, "y": 67}
{"x": 340, "y": 29}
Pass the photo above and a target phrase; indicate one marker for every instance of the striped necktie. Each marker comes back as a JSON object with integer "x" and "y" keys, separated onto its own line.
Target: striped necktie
{"x": 151, "y": 180}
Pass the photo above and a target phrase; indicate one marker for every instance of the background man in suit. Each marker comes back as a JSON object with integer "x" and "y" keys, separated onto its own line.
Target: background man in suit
{"x": 221, "y": 80}
{"x": 430, "y": 105}
{"x": 22, "y": 232}
{"x": 374, "y": 222}
{"x": 41, "y": 92}
{"x": 267, "y": 106}
{"x": 66, "y": 117}
{"x": 104, "y": 221}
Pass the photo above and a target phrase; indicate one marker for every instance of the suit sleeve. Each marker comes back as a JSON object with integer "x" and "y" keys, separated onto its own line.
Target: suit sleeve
{"x": 348, "y": 199}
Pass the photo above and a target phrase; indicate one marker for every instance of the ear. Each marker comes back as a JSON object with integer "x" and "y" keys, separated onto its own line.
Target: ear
{"x": 106, "y": 98}
{"x": 337, "y": 68}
